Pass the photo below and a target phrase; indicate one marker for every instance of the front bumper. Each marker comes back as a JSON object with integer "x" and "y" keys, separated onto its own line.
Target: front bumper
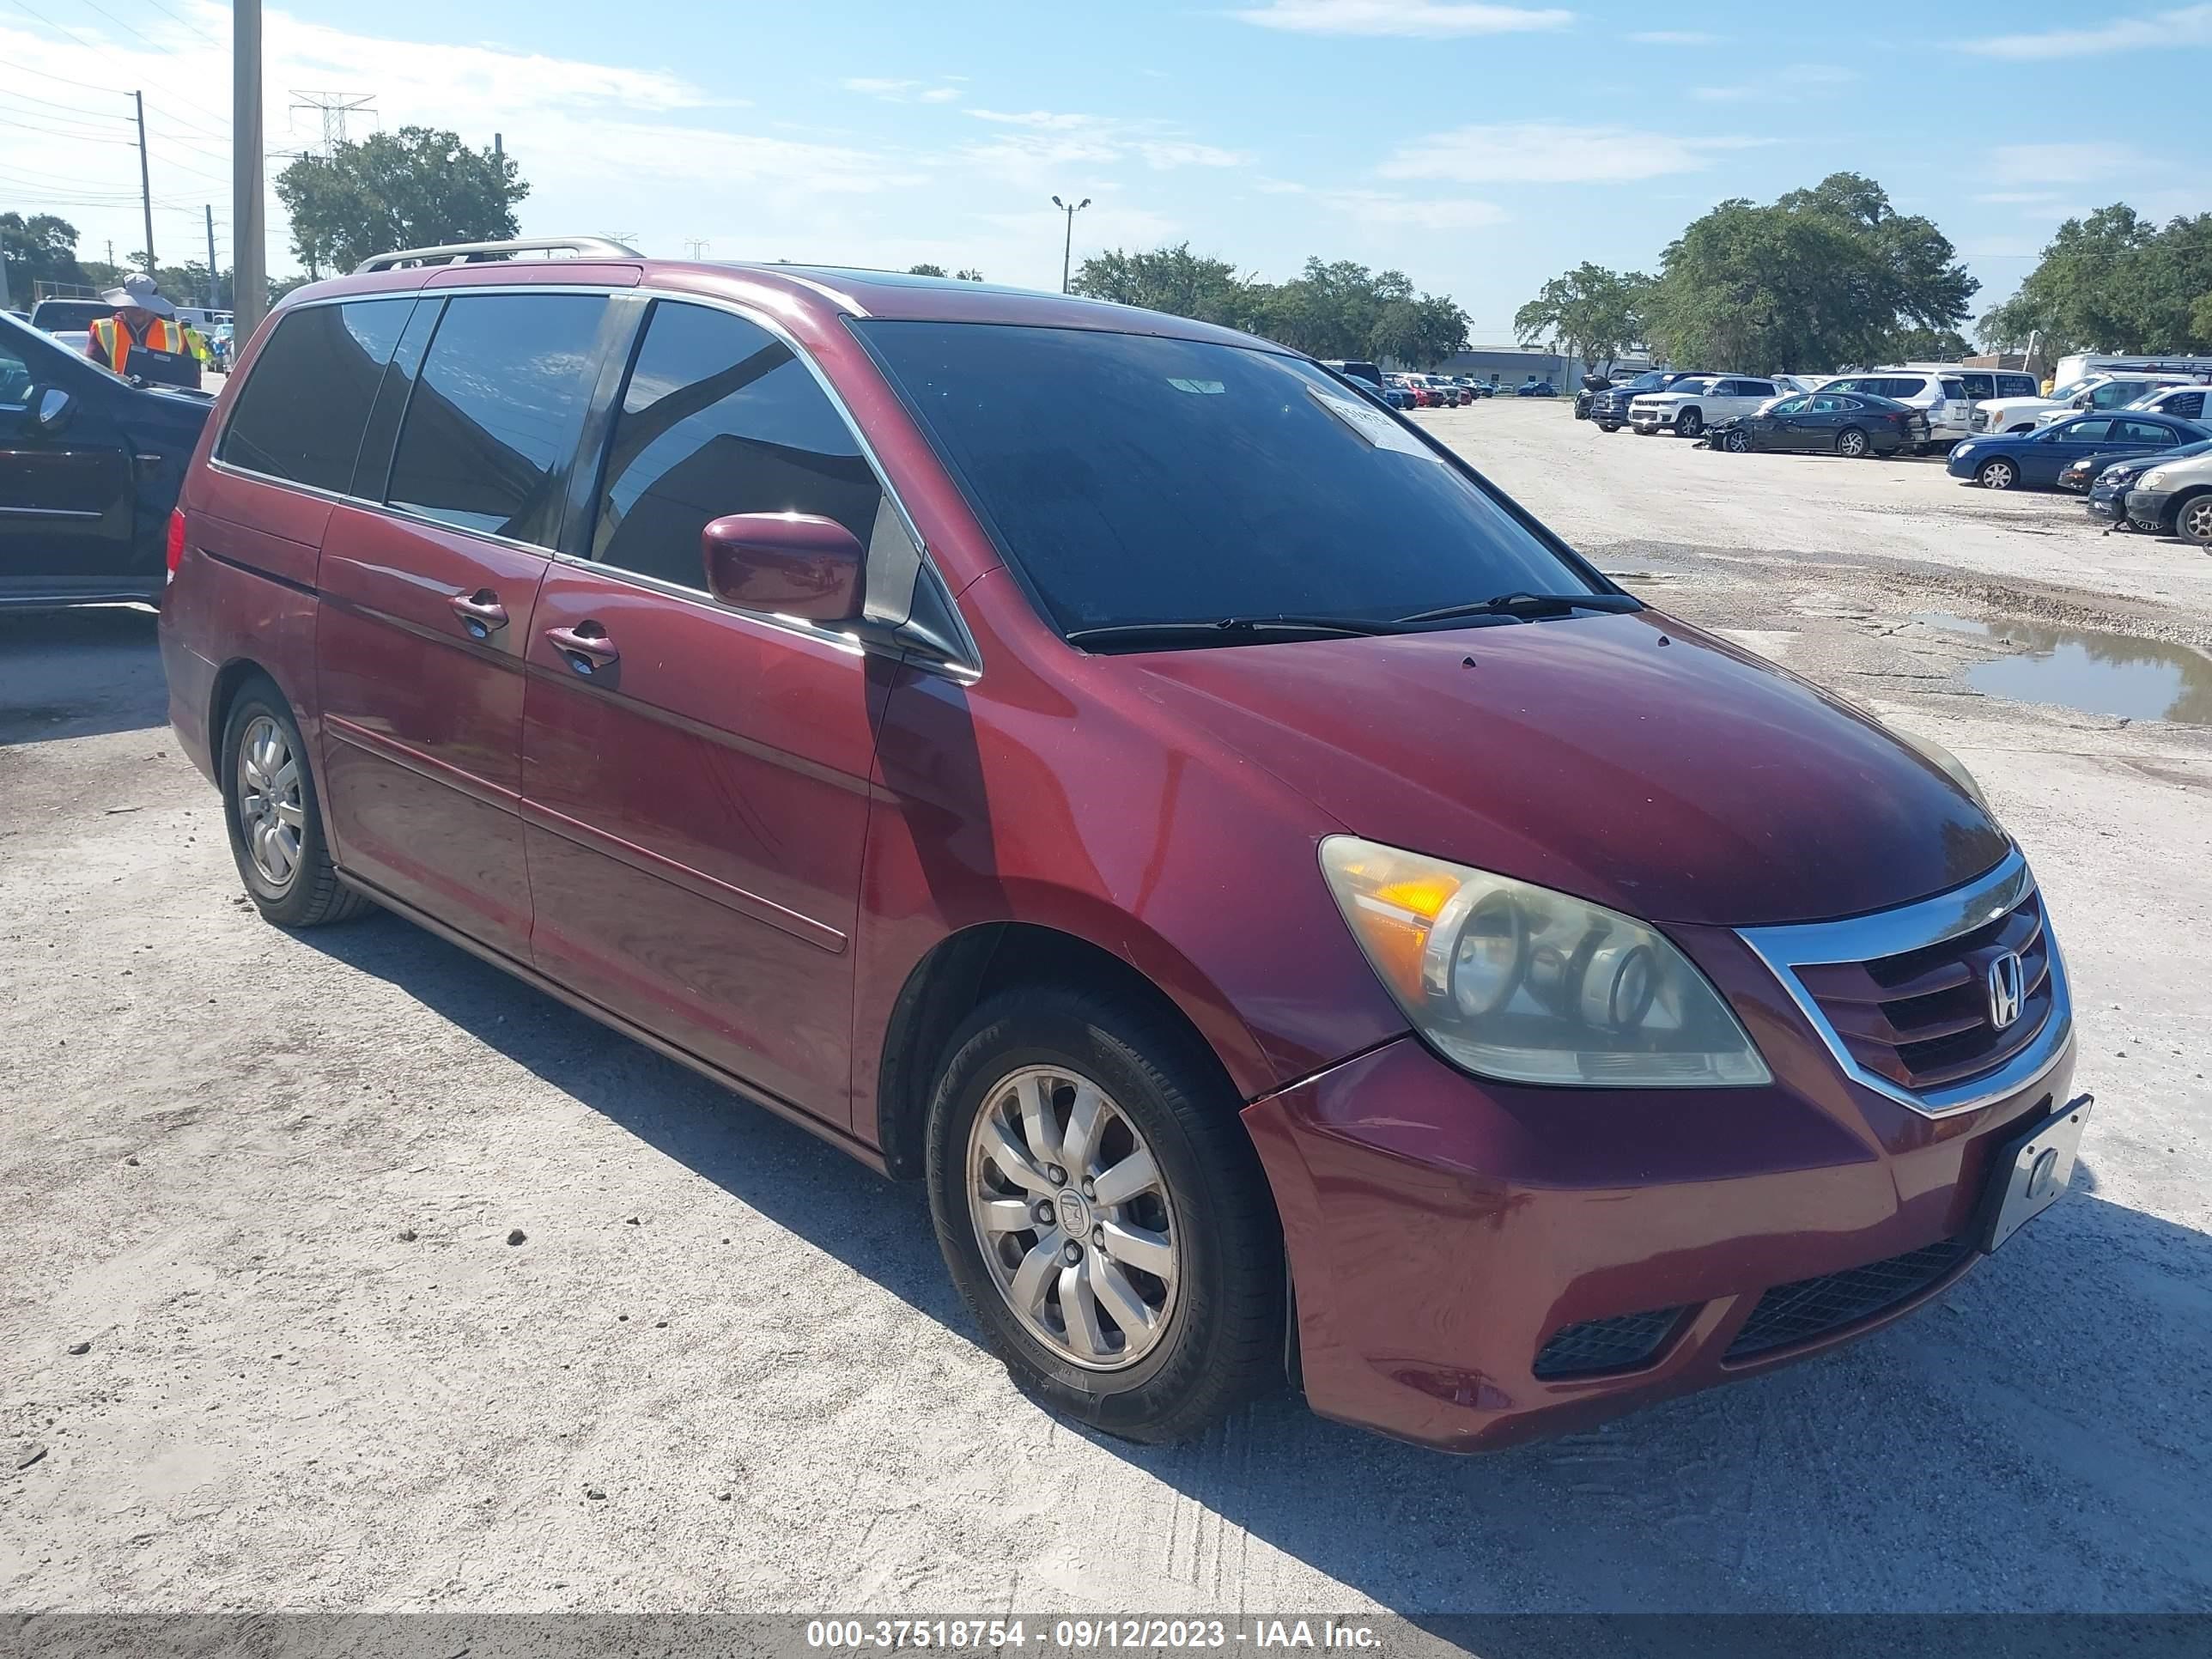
{"x": 2149, "y": 505}
{"x": 1444, "y": 1234}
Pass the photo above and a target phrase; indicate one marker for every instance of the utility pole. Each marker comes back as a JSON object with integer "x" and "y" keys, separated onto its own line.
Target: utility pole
{"x": 694, "y": 247}
{"x": 215, "y": 282}
{"x": 1068, "y": 248}
{"x": 145, "y": 186}
{"x": 249, "y": 284}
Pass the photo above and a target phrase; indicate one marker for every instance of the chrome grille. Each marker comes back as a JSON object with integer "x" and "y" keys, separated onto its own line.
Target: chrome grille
{"x": 1904, "y": 997}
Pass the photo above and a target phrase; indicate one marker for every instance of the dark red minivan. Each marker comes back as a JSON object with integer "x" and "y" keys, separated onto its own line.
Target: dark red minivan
{"x": 1295, "y": 913}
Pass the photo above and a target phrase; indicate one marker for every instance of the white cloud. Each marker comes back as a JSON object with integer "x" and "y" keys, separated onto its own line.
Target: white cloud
{"x": 1431, "y": 19}
{"x": 900, "y": 92}
{"x": 1042, "y": 143}
{"x": 1790, "y": 82}
{"x": 2061, "y": 164}
{"x": 2018, "y": 198}
{"x": 2189, "y": 26}
{"x": 1674, "y": 38}
{"x": 1551, "y": 152}
{"x": 1376, "y": 208}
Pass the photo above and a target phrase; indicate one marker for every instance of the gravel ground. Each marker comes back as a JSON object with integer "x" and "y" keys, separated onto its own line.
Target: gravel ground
{"x": 272, "y": 1181}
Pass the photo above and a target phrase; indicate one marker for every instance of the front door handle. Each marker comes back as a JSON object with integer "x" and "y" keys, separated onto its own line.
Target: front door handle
{"x": 586, "y": 647}
{"x": 480, "y": 613}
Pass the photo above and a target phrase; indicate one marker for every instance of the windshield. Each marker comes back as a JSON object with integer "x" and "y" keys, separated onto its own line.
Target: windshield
{"x": 1131, "y": 479}
{"x": 2059, "y": 394}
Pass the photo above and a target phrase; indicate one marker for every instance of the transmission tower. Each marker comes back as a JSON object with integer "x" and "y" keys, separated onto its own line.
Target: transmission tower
{"x": 334, "y": 107}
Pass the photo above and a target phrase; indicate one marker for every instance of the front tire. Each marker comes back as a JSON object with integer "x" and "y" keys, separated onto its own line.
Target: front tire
{"x": 1104, "y": 1214}
{"x": 1850, "y": 443}
{"x": 1997, "y": 474}
{"x": 1609, "y": 426}
{"x": 1736, "y": 443}
{"x": 1689, "y": 423}
{"x": 275, "y": 815}
{"x": 2192, "y": 521}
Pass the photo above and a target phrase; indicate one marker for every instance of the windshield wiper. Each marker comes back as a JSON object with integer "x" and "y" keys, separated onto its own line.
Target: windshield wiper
{"x": 1229, "y": 629}
{"x": 1530, "y": 605}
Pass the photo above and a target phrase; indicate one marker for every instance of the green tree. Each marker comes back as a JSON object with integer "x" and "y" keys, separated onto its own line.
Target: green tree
{"x": 1589, "y": 313}
{"x": 1818, "y": 279}
{"x": 925, "y": 271}
{"x": 1170, "y": 279}
{"x": 2116, "y": 282}
{"x": 412, "y": 188}
{"x": 965, "y": 274}
{"x": 40, "y": 249}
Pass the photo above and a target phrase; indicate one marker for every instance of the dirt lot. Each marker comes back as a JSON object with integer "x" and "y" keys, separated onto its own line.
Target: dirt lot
{"x": 269, "y": 1180}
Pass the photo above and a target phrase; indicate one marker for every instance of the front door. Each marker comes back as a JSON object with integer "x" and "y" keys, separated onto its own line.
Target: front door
{"x": 694, "y": 778}
{"x": 68, "y": 501}
{"x": 428, "y": 604}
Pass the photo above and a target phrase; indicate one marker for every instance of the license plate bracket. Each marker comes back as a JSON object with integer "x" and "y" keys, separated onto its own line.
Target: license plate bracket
{"x": 2032, "y": 1171}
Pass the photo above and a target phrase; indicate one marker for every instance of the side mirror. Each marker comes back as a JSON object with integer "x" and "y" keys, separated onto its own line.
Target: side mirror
{"x": 51, "y": 410}
{"x": 792, "y": 564}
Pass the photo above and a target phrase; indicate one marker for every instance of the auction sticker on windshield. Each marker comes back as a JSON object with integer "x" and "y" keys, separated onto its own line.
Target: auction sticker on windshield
{"x": 1378, "y": 428}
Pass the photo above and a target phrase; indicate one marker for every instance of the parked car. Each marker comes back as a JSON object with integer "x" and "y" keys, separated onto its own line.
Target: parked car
{"x": 1536, "y": 389}
{"x": 1447, "y": 390}
{"x": 1851, "y": 424}
{"x": 2175, "y": 498}
{"x": 1688, "y": 406}
{"x": 496, "y": 585}
{"x": 90, "y": 464}
{"x": 1370, "y": 377}
{"x": 1609, "y": 410}
{"x": 70, "y": 321}
{"x": 2185, "y": 402}
{"x": 1941, "y": 397}
{"x": 2035, "y": 459}
{"x": 2099, "y": 391}
{"x": 2111, "y": 481}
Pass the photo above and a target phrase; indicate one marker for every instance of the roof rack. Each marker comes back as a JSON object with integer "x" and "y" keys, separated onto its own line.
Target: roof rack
{"x": 465, "y": 253}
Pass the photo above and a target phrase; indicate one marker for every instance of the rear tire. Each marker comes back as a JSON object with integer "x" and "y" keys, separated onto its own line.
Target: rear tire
{"x": 1689, "y": 423}
{"x": 1997, "y": 474}
{"x": 275, "y": 815}
{"x": 1047, "y": 1081}
{"x": 1850, "y": 443}
{"x": 1609, "y": 426}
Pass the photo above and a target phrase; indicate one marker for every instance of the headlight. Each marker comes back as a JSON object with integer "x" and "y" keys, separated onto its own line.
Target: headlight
{"x": 2155, "y": 479}
{"x": 1966, "y": 448}
{"x": 1950, "y": 764}
{"x": 1524, "y": 985}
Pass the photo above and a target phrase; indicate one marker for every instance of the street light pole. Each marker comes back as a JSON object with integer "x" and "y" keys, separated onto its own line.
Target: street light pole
{"x": 1068, "y": 248}
{"x": 249, "y": 293}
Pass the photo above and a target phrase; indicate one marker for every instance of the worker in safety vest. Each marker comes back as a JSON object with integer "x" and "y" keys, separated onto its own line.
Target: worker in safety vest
{"x": 143, "y": 338}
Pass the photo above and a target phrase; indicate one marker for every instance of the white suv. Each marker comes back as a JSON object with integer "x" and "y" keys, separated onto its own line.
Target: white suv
{"x": 1688, "y": 407}
{"x": 2103, "y": 391}
{"x": 1939, "y": 394}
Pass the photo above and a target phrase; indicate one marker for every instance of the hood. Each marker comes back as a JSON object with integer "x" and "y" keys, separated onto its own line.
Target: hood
{"x": 1626, "y": 759}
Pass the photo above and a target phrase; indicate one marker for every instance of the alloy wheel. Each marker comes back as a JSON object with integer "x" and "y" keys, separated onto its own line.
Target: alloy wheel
{"x": 2196, "y": 520}
{"x": 1076, "y": 1224}
{"x": 271, "y": 812}
{"x": 1850, "y": 444}
{"x": 1736, "y": 443}
{"x": 1997, "y": 474}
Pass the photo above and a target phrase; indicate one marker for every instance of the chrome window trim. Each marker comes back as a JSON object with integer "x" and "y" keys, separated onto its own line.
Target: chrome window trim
{"x": 966, "y": 673}
{"x": 1786, "y": 948}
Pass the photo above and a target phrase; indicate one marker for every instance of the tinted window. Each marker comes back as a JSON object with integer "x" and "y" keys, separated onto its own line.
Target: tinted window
{"x": 2188, "y": 405}
{"x": 2015, "y": 386}
{"x": 495, "y": 411}
{"x": 1366, "y": 372}
{"x": 720, "y": 418}
{"x": 15, "y": 377}
{"x": 2115, "y": 394}
{"x": 2140, "y": 432}
{"x": 1978, "y": 386}
{"x": 1790, "y": 406}
{"x": 1899, "y": 388}
{"x": 1137, "y": 479}
{"x": 1831, "y": 403}
{"x": 2085, "y": 432}
{"x": 1954, "y": 388}
{"x": 301, "y": 412}
{"x": 1754, "y": 389}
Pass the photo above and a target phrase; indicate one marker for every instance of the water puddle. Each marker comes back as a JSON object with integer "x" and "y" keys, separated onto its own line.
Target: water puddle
{"x": 2081, "y": 668}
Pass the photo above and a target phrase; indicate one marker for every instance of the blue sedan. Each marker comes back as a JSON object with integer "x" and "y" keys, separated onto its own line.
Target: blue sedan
{"x": 2016, "y": 459}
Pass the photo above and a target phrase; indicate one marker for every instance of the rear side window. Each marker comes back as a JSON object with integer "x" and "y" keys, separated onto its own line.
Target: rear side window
{"x": 1978, "y": 387}
{"x": 299, "y": 414}
{"x": 719, "y": 417}
{"x": 1954, "y": 388}
{"x": 495, "y": 412}
{"x": 2139, "y": 432}
{"x": 2015, "y": 386}
{"x": 1903, "y": 389}
{"x": 2189, "y": 405}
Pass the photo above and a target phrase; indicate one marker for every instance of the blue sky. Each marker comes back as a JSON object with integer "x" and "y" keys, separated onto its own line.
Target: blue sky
{"x": 1480, "y": 148}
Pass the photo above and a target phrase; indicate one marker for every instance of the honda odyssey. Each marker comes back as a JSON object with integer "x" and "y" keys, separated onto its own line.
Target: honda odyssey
{"x": 1292, "y": 911}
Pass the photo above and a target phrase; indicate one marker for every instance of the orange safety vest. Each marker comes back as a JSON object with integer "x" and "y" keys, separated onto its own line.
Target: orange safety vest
{"x": 163, "y": 339}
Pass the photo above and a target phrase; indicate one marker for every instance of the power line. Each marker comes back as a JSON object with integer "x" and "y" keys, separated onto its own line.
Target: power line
{"x": 92, "y": 86}
{"x": 194, "y": 27}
